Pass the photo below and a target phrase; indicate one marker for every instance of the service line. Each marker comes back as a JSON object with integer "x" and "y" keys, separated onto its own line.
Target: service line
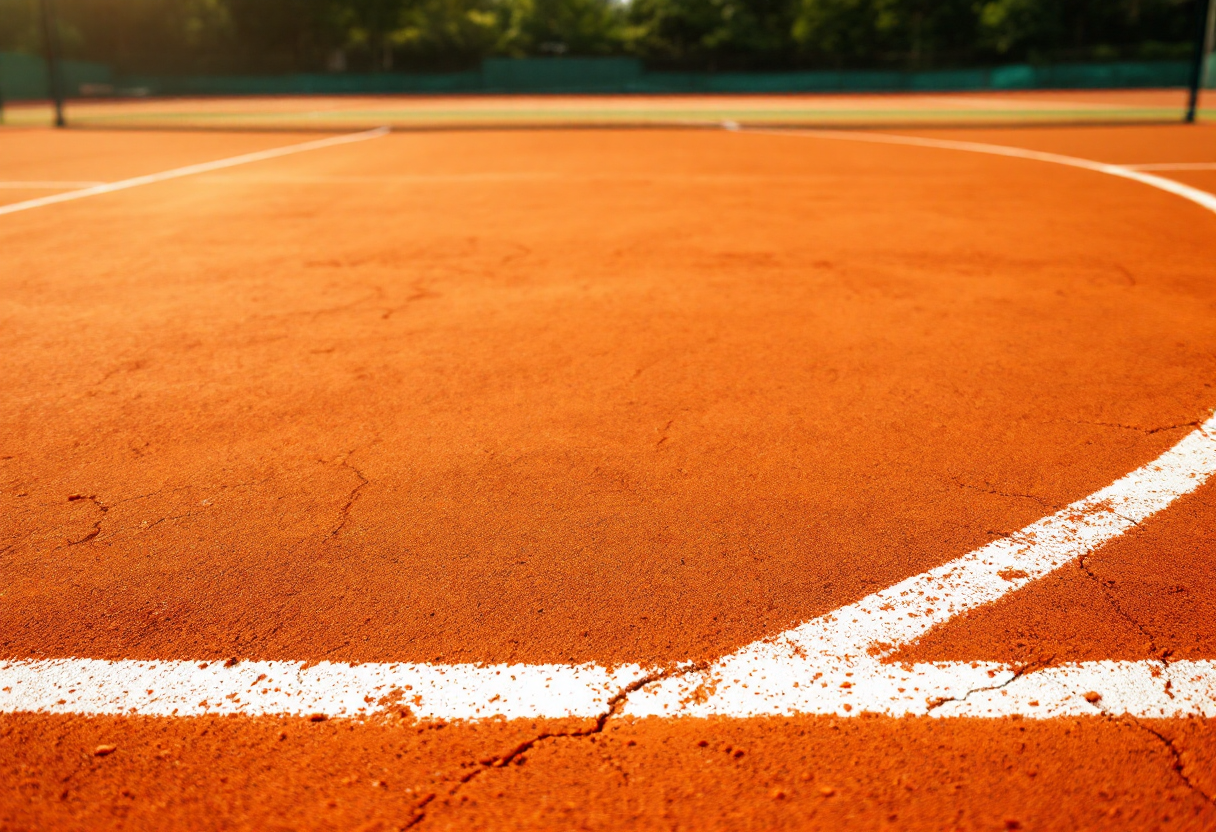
{"x": 832, "y": 664}
{"x": 191, "y": 170}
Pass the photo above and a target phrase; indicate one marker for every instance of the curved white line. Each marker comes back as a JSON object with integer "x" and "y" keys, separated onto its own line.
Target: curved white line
{"x": 835, "y": 660}
{"x": 1195, "y": 195}
{"x": 832, "y": 664}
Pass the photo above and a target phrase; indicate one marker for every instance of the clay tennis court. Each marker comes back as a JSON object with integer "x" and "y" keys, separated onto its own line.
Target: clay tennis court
{"x": 669, "y": 478}
{"x": 338, "y": 112}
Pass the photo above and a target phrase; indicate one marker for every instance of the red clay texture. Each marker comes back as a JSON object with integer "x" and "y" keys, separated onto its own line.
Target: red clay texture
{"x": 609, "y": 396}
{"x": 1145, "y": 595}
{"x": 566, "y": 396}
{"x": 784, "y": 773}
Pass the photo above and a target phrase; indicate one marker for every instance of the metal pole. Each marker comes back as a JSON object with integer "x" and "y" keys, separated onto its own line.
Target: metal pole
{"x": 1209, "y": 44}
{"x": 50, "y": 36}
{"x": 1202, "y": 9}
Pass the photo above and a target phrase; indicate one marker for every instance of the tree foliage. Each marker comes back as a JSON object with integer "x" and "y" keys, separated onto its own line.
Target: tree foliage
{"x": 379, "y": 35}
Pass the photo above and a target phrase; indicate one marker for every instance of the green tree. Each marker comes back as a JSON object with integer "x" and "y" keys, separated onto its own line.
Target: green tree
{"x": 1085, "y": 29}
{"x": 718, "y": 34}
{"x": 559, "y": 27}
{"x": 449, "y": 34}
{"x": 19, "y": 26}
{"x": 913, "y": 33}
{"x": 148, "y": 35}
{"x": 370, "y": 27}
{"x": 286, "y": 35}
{"x": 251, "y": 36}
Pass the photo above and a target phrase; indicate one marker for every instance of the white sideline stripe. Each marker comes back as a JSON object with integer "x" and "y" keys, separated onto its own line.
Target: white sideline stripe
{"x": 1174, "y": 166}
{"x": 267, "y": 688}
{"x": 182, "y": 688}
{"x": 949, "y": 689}
{"x": 190, "y": 170}
{"x": 47, "y": 185}
{"x": 831, "y": 664}
{"x": 1127, "y": 688}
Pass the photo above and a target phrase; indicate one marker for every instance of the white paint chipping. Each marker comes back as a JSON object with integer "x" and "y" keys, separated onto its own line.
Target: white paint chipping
{"x": 948, "y": 689}
{"x": 191, "y": 170}
{"x": 1152, "y": 690}
{"x": 777, "y": 675}
{"x": 470, "y": 692}
{"x": 878, "y": 623}
{"x": 832, "y": 664}
{"x": 181, "y": 688}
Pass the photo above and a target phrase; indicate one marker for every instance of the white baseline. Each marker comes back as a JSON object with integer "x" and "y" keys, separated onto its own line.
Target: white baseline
{"x": 833, "y": 664}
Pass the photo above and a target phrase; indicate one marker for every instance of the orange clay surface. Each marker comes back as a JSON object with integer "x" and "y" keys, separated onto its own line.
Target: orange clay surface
{"x": 593, "y": 396}
{"x": 783, "y": 773}
{"x": 337, "y": 112}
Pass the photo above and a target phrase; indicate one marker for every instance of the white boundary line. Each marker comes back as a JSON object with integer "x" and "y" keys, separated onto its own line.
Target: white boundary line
{"x": 1195, "y": 195}
{"x": 799, "y": 685}
{"x": 835, "y": 662}
{"x": 190, "y": 170}
{"x": 831, "y": 664}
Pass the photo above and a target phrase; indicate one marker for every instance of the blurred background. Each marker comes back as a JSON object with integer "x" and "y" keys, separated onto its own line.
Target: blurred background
{"x": 137, "y": 48}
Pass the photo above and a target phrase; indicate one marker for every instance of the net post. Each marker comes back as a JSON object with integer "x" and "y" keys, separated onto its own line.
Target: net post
{"x": 50, "y": 37}
{"x": 1203, "y": 10}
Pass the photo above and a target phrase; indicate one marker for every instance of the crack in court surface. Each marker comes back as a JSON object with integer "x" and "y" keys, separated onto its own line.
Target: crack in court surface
{"x": 616, "y": 704}
{"x": 344, "y": 513}
{"x": 1144, "y": 430}
{"x": 833, "y": 664}
{"x": 1112, "y": 600}
{"x": 1018, "y": 673}
{"x": 96, "y": 530}
{"x": 1179, "y": 765}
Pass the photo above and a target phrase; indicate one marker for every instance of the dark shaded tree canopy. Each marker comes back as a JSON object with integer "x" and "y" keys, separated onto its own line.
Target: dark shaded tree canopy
{"x": 215, "y": 36}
